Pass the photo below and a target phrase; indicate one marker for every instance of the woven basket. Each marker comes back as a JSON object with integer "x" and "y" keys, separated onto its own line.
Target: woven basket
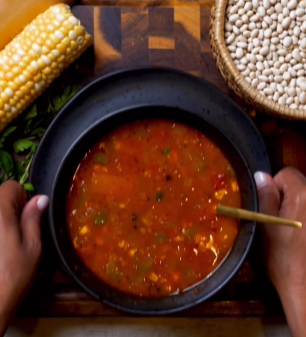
{"x": 233, "y": 77}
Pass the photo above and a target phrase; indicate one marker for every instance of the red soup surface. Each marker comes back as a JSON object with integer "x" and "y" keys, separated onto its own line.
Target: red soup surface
{"x": 141, "y": 208}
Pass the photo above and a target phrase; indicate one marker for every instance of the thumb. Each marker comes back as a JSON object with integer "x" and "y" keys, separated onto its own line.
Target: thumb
{"x": 30, "y": 220}
{"x": 268, "y": 194}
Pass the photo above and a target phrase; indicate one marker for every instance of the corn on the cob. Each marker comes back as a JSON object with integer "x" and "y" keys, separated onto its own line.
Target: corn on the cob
{"x": 33, "y": 59}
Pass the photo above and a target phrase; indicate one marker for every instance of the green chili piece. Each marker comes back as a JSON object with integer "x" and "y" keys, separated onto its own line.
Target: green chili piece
{"x": 159, "y": 196}
{"x": 145, "y": 265}
{"x": 161, "y": 237}
{"x": 167, "y": 150}
{"x": 190, "y": 233}
{"x": 100, "y": 158}
{"x": 101, "y": 218}
{"x": 111, "y": 270}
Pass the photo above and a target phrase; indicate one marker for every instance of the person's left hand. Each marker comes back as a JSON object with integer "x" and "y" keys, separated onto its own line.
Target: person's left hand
{"x": 20, "y": 245}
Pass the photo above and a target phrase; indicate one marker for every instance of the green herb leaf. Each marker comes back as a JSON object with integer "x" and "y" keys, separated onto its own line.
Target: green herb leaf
{"x": 29, "y": 187}
{"x": 39, "y": 132}
{"x": 19, "y": 170}
{"x": 6, "y": 133}
{"x": 161, "y": 237}
{"x": 100, "y": 158}
{"x": 101, "y": 218}
{"x": 159, "y": 196}
{"x": 167, "y": 150}
{"x": 9, "y": 131}
{"x": 22, "y": 144}
{"x": 145, "y": 265}
{"x": 32, "y": 113}
{"x": 6, "y": 162}
{"x": 60, "y": 101}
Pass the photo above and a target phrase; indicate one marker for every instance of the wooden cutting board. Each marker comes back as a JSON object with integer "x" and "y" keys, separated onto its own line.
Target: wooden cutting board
{"x": 175, "y": 34}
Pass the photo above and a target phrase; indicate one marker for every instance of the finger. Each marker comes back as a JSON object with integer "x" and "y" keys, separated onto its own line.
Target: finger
{"x": 12, "y": 197}
{"x": 30, "y": 222}
{"x": 268, "y": 194}
{"x": 289, "y": 178}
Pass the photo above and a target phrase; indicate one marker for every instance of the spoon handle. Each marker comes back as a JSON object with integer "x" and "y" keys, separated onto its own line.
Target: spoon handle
{"x": 253, "y": 216}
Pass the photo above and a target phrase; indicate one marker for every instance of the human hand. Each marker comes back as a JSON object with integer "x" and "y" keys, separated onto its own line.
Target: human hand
{"x": 285, "y": 247}
{"x": 20, "y": 245}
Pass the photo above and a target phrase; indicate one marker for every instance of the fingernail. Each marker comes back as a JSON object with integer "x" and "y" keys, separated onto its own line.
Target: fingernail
{"x": 260, "y": 179}
{"x": 42, "y": 202}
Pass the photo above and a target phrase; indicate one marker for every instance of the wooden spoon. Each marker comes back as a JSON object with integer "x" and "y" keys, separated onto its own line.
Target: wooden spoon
{"x": 253, "y": 216}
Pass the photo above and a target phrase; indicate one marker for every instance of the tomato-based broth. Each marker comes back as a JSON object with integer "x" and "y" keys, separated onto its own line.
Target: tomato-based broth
{"x": 141, "y": 208}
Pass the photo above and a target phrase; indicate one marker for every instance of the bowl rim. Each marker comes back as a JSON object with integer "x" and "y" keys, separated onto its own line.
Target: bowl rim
{"x": 69, "y": 270}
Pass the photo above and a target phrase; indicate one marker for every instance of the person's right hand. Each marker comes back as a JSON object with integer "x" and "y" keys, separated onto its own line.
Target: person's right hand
{"x": 285, "y": 247}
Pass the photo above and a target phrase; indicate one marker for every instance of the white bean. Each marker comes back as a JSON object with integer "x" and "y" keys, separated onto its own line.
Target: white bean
{"x": 286, "y": 12}
{"x": 281, "y": 101}
{"x": 302, "y": 98}
{"x": 255, "y": 83}
{"x": 292, "y": 4}
{"x": 239, "y": 53}
{"x": 255, "y": 3}
{"x": 260, "y": 66}
{"x": 268, "y": 91}
{"x": 291, "y": 92}
{"x": 248, "y": 6}
{"x": 261, "y": 86}
{"x": 280, "y": 89}
{"x": 266, "y": 4}
{"x": 287, "y": 41}
{"x": 241, "y": 67}
{"x": 292, "y": 72}
{"x": 289, "y": 100}
{"x": 264, "y": 51}
{"x": 233, "y": 18}
{"x": 276, "y": 96}
{"x": 286, "y": 22}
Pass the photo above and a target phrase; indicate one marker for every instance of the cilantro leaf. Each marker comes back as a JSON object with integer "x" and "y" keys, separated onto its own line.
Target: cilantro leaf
{"x": 39, "y": 132}
{"x": 60, "y": 101}
{"x": 22, "y": 144}
{"x": 6, "y": 162}
{"x": 9, "y": 131}
{"x": 32, "y": 113}
{"x": 6, "y": 133}
{"x": 19, "y": 170}
{"x": 159, "y": 196}
{"x": 167, "y": 150}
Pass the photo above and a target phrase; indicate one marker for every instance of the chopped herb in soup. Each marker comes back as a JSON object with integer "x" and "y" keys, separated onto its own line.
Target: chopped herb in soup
{"x": 141, "y": 208}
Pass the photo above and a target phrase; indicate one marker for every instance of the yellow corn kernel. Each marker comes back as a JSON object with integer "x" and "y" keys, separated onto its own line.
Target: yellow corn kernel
{"x": 35, "y": 57}
{"x": 117, "y": 146}
{"x": 122, "y": 206}
{"x": 220, "y": 194}
{"x": 84, "y": 230}
{"x": 121, "y": 244}
{"x": 178, "y": 239}
{"x": 153, "y": 277}
{"x": 234, "y": 186}
{"x": 132, "y": 252}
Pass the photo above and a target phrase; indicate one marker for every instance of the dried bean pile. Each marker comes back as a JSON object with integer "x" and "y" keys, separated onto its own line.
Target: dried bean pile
{"x": 267, "y": 41}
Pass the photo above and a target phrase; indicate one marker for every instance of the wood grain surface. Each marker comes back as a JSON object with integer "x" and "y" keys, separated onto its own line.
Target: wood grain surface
{"x": 170, "y": 33}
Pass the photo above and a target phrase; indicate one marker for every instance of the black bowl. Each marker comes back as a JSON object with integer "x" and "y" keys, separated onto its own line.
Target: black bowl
{"x": 88, "y": 281}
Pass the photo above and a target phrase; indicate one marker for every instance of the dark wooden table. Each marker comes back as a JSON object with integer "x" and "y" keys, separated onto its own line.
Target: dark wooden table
{"x": 170, "y": 33}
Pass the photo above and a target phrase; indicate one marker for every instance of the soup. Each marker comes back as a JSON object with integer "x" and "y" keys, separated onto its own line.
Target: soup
{"x": 141, "y": 208}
